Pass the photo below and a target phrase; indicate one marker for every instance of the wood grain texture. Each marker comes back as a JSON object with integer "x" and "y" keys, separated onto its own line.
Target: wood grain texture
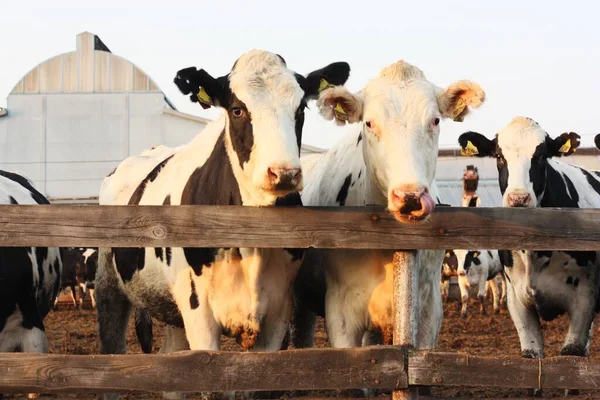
{"x": 406, "y": 309}
{"x": 203, "y": 371}
{"x": 329, "y": 227}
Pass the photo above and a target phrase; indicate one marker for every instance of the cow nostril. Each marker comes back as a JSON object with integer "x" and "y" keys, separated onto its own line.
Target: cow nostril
{"x": 272, "y": 174}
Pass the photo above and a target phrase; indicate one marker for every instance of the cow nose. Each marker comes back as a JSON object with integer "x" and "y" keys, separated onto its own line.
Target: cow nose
{"x": 413, "y": 203}
{"x": 519, "y": 199}
{"x": 284, "y": 178}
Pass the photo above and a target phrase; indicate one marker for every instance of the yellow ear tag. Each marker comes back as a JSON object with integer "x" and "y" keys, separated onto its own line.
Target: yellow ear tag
{"x": 566, "y": 147}
{"x": 340, "y": 113}
{"x": 458, "y": 110}
{"x": 324, "y": 85}
{"x": 204, "y": 98}
{"x": 470, "y": 150}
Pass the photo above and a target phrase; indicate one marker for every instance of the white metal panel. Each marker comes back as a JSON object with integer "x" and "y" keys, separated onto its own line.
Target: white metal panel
{"x": 71, "y": 188}
{"x": 145, "y": 128}
{"x": 179, "y": 131}
{"x": 90, "y": 127}
{"x": 33, "y": 171}
{"x": 22, "y": 141}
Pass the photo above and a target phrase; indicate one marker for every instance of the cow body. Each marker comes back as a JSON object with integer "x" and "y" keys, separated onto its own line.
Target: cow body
{"x": 29, "y": 278}
{"x": 544, "y": 284}
{"x": 388, "y": 160}
{"x": 249, "y": 156}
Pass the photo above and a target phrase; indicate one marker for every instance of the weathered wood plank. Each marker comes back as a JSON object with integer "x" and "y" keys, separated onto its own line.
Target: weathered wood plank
{"x": 571, "y": 373}
{"x": 406, "y": 309}
{"x": 324, "y": 227}
{"x": 460, "y": 369}
{"x": 369, "y": 367}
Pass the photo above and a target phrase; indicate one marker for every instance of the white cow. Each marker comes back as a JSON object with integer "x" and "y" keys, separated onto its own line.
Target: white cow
{"x": 389, "y": 159}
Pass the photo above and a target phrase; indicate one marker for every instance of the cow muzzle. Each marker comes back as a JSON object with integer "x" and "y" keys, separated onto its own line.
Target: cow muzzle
{"x": 284, "y": 179}
{"x": 411, "y": 204}
{"x": 519, "y": 199}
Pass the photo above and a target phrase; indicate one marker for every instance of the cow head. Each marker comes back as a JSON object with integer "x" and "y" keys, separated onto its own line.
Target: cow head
{"x": 263, "y": 102}
{"x": 465, "y": 259}
{"x": 522, "y": 150}
{"x": 400, "y": 112}
{"x": 449, "y": 265}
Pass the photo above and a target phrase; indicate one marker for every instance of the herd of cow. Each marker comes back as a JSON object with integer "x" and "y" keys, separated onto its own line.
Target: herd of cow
{"x": 250, "y": 156}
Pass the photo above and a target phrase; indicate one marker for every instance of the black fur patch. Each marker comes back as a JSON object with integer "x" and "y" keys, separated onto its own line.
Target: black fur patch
{"x": 37, "y": 196}
{"x": 240, "y": 131}
{"x": 12, "y": 200}
{"x": 594, "y": 183}
{"x": 292, "y": 199}
{"x": 139, "y": 191}
{"x": 194, "y": 303}
{"x": 569, "y": 280}
{"x": 576, "y": 282}
{"x": 167, "y": 201}
{"x": 557, "y": 193}
{"x": 506, "y": 258}
{"x": 158, "y": 251}
{"x": 168, "y": 253}
{"x": 359, "y": 138}
{"x": 343, "y": 193}
{"x": 129, "y": 260}
{"x": 473, "y": 201}
{"x": 490, "y": 254}
{"x": 211, "y": 184}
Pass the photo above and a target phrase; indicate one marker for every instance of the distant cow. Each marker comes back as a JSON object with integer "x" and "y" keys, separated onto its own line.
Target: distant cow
{"x": 249, "y": 156}
{"x": 470, "y": 185}
{"x": 388, "y": 159}
{"x": 79, "y": 271}
{"x": 543, "y": 283}
{"x": 29, "y": 278}
{"x": 478, "y": 269}
{"x": 88, "y": 274}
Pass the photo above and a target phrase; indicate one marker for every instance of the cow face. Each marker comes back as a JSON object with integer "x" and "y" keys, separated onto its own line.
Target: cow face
{"x": 449, "y": 265}
{"x": 400, "y": 112}
{"x": 470, "y": 179}
{"x": 522, "y": 150}
{"x": 263, "y": 102}
{"x": 465, "y": 259}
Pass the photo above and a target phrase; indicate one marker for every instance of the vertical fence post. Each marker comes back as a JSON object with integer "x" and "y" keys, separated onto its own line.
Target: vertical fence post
{"x": 406, "y": 308}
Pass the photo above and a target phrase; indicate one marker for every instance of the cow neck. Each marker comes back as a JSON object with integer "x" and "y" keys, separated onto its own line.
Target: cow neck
{"x": 213, "y": 183}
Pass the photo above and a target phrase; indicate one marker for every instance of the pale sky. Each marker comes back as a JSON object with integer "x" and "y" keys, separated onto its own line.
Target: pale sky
{"x": 533, "y": 58}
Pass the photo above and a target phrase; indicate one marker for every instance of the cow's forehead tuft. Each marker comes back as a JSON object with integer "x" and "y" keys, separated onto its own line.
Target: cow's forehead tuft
{"x": 257, "y": 61}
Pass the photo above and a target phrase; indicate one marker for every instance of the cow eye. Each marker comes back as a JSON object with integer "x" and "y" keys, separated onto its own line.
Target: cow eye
{"x": 436, "y": 122}
{"x": 369, "y": 124}
{"x": 237, "y": 112}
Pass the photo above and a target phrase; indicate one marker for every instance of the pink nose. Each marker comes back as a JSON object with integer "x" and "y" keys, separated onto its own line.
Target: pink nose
{"x": 519, "y": 199}
{"x": 284, "y": 178}
{"x": 413, "y": 203}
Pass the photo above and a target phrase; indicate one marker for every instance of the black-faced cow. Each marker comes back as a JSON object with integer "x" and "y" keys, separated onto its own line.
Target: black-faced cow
{"x": 389, "y": 159}
{"x": 542, "y": 283}
{"x": 249, "y": 156}
{"x": 73, "y": 261}
{"x": 29, "y": 278}
{"x": 477, "y": 271}
{"x": 470, "y": 184}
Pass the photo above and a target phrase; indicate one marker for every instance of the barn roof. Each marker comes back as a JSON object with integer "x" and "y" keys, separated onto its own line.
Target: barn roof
{"x": 91, "y": 68}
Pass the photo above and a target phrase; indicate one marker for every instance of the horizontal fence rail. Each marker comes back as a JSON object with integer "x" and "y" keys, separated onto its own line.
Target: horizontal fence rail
{"x": 378, "y": 367}
{"x": 297, "y": 227}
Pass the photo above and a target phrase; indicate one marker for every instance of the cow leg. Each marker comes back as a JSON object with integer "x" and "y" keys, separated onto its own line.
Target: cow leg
{"x": 175, "y": 340}
{"x": 464, "y": 295}
{"x": 114, "y": 309}
{"x": 504, "y": 291}
{"x": 481, "y": 294}
{"x": 495, "y": 294}
{"x": 527, "y": 323}
{"x": 143, "y": 330}
{"x": 445, "y": 289}
{"x": 344, "y": 329}
{"x": 73, "y": 295}
{"x": 93, "y": 298}
{"x": 304, "y": 323}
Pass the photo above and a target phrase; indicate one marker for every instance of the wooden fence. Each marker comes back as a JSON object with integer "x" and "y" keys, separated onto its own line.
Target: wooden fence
{"x": 399, "y": 367}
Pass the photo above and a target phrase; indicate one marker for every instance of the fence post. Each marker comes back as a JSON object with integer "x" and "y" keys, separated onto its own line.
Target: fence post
{"x": 406, "y": 308}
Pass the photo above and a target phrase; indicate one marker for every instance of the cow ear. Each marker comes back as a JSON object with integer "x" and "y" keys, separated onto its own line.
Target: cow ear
{"x": 335, "y": 74}
{"x": 564, "y": 145}
{"x": 455, "y": 100}
{"x": 202, "y": 87}
{"x": 475, "y": 144}
{"x": 339, "y": 103}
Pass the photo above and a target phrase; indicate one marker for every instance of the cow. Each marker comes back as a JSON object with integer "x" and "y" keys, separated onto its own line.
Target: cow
{"x": 248, "y": 156}
{"x": 72, "y": 259}
{"x": 478, "y": 269}
{"x": 449, "y": 270}
{"x": 88, "y": 274}
{"x": 470, "y": 184}
{"x": 544, "y": 284}
{"x": 29, "y": 277}
{"x": 388, "y": 159}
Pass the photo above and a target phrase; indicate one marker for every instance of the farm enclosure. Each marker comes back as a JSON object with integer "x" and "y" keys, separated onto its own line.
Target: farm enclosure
{"x": 329, "y": 228}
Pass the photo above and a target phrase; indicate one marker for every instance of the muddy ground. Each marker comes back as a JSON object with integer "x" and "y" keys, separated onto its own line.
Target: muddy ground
{"x": 75, "y": 332}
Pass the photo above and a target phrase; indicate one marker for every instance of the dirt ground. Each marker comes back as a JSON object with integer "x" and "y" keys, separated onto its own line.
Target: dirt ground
{"x": 75, "y": 332}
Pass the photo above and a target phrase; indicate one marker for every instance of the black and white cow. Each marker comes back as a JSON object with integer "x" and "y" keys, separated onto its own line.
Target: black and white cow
{"x": 248, "y": 156}
{"x": 478, "y": 269}
{"x": 544, "y": 284}
{"x": 389, "y": 159}
{"x": 29, "y": 278}
{"x": 79, "y": 271}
